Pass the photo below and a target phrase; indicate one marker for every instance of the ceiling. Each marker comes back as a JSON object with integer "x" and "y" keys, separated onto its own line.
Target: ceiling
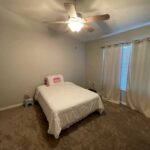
{"x": 124, "y": 14}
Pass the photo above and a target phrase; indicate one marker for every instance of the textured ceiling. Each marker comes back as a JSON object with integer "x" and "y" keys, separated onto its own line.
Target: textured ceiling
{"x": 124, "y": 14}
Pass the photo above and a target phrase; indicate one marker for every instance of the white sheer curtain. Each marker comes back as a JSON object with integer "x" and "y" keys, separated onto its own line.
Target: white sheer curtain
{"x": 138, "y": 84}
{"x": 111, "y": 74}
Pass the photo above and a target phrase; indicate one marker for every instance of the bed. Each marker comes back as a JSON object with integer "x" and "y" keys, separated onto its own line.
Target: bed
{"x": 65, "y": 104}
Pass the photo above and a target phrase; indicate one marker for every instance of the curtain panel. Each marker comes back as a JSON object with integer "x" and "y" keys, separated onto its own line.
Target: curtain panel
{"x": 111, "y": 73}
{"x": 138, "y": 83}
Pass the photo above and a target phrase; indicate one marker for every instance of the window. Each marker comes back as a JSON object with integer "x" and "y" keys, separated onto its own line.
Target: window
{"x": 126, "y": 52}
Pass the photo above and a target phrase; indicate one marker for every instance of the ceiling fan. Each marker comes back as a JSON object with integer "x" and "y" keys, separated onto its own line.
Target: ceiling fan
{"x": 76, "y": 22}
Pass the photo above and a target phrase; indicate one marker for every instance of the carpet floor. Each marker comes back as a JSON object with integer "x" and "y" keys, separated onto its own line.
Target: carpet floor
{"x": 119, "y": 128}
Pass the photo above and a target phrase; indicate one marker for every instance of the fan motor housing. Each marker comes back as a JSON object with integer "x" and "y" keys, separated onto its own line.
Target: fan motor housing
{"x": 79, "y": 15}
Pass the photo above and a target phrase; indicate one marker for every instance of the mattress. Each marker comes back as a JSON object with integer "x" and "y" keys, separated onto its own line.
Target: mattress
{"x": 64, "y": 104}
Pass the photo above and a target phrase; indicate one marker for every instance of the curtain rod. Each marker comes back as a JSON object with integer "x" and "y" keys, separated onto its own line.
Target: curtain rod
{"x": 136, "y": 41}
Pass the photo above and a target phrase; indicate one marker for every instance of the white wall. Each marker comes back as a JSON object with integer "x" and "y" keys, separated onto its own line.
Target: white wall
{"x": 94, "y": 55}
{"x": 28, "y": 53}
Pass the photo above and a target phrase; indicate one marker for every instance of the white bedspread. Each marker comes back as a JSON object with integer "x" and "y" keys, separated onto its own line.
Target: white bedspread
{"x": 65, "y": 104}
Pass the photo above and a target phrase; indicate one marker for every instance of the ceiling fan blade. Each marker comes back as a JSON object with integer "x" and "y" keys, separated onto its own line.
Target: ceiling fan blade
{"x": 97, "y": 18}
{"x": 70, "y": 8}
{"x": 56, "y": 22}
{"x": 88, "y": 28}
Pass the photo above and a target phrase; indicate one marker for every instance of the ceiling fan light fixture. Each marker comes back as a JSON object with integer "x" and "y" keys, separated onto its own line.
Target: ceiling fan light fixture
{"x": 75, "y": 24}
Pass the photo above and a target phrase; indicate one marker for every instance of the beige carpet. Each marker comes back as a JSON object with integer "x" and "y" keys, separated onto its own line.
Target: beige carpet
{"x": 119, "y": 129}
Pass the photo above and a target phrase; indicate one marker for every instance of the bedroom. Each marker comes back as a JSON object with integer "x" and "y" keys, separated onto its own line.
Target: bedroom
{"x": 30, "y": 50}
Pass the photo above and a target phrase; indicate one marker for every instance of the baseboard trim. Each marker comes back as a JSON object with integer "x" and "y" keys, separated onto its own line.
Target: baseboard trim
{"x": 11, "y": 106}
{"x": 124, "y": 103}
{"x": 112, "y": 101}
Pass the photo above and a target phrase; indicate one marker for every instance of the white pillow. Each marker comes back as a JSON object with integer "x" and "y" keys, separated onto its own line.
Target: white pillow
{"x": 55, "y": 79}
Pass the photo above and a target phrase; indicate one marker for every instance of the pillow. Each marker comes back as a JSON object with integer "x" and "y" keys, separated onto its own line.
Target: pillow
{"x": 55, "y": 79}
